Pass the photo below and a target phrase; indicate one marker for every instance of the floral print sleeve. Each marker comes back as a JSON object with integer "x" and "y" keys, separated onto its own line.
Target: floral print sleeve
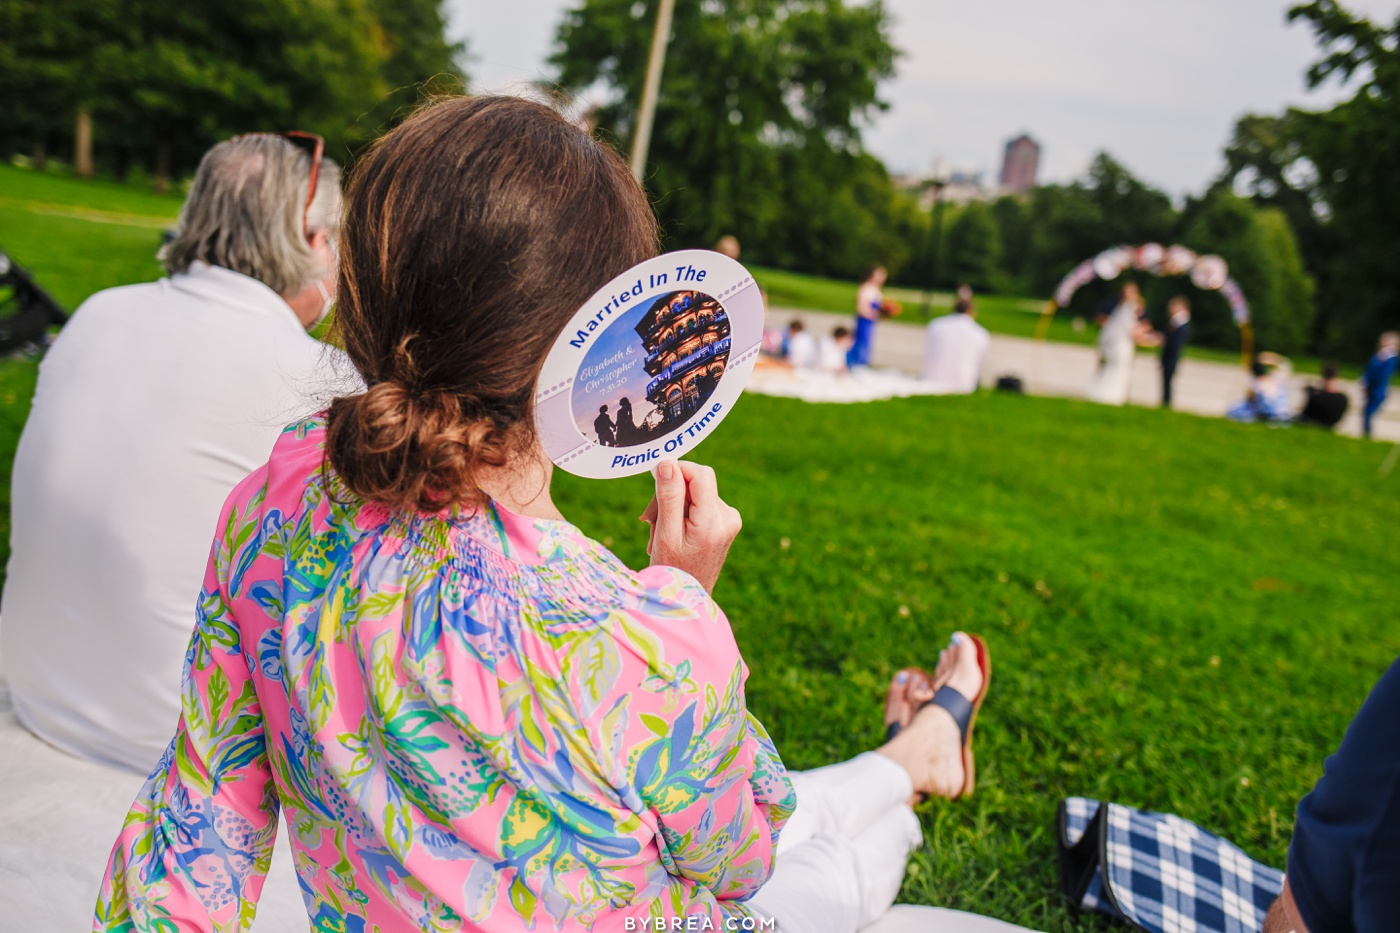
{"x": 195, "y": 847}
{"x": 477, "y": 721}
{"x": 711, "y": 774}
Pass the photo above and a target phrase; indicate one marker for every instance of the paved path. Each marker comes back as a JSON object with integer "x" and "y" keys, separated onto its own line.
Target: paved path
{"x": 1065, "y": 369}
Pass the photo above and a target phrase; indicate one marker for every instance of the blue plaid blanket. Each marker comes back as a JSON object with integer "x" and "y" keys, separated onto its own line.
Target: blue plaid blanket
{"x": 1160, "y": 873}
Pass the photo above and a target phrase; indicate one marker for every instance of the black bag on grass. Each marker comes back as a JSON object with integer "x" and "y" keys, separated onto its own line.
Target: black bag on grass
{"x": 1159, "y": 873}
{"x": 26, "y": 310}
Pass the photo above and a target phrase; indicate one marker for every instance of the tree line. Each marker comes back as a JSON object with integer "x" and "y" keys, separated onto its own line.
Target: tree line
{"x": 149, "y": 85}
{"x": 758, "y": 134}
{"x": 758, "y": 124}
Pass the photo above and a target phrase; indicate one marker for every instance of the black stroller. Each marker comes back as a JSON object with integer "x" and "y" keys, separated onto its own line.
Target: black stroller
{"x": 26, "y": 311}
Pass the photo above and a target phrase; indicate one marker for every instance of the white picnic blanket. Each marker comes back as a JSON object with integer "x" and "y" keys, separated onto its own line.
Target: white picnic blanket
{"x": 860, "y": 385}
{"x": 907, "y": 918}
{"x": 59, "y": 816}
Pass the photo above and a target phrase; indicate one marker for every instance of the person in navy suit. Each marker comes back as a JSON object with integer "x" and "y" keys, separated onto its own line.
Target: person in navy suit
{"x": 1173, "y": 343}
{"x": 1375, "y": 381}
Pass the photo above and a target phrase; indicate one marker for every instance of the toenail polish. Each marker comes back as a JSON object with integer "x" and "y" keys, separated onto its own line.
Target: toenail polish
{"x": 901, "y": 677}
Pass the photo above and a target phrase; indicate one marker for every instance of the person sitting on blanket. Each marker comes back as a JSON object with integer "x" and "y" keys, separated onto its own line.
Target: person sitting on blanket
{"x": 1343, "y": 871}
{"x": 474, "y": 715}
{"x": 155, "y": 400}
{"x": 1326, "y": 404}
{"x": 803, "y": 349}
{"x": 1266, "y": 399}
{"x": 834, "y": 351}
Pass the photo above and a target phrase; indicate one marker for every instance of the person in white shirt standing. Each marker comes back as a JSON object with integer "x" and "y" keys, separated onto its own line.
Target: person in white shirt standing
{"x": 154, "y": 402}
{"x": 955, "y": 347}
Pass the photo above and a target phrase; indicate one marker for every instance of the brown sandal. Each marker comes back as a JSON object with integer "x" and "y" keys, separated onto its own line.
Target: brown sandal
{"x": 963, "y": 711}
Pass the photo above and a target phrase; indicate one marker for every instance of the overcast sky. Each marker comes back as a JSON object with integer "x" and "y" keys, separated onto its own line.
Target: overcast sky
{"x": 1159, "y": 83}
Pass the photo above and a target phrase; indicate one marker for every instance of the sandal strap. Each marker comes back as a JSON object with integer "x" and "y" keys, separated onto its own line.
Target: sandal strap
{"x": 957, "y": 705}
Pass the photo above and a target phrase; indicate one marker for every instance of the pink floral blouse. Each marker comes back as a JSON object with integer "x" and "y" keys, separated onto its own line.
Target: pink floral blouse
{"x": 483, "y": 722}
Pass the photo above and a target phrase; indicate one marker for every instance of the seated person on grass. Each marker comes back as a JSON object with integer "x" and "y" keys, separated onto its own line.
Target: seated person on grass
{"x": 802, "y": 348}
{"x": 1344, "y": 860}
{"x": 833, "y": 354}
{"x": 955, "y": 347}
{"x": 155, "y": 400}
{"x": 1267, "y": 397}
{"x": 1326, "y": 404}
{"x": 474, "y": 715}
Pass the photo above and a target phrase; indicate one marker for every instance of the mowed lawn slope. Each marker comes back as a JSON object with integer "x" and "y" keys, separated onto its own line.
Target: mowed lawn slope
{"x": 1183, "y": 613}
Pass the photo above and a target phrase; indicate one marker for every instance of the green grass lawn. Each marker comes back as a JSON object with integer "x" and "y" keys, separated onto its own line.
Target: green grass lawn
{"x": 78, "y": 237}
{"x": 1183, "y": 613}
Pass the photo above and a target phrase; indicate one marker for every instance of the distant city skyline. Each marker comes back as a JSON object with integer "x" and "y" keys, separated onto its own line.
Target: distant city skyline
{"x": 1158, "y": 83}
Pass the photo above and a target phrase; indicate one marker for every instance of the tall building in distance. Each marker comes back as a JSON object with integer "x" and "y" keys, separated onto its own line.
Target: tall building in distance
{"x": 1020, "y": 164}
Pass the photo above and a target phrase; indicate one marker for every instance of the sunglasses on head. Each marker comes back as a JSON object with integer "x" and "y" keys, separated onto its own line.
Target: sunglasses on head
{"x": 315, "y": 147}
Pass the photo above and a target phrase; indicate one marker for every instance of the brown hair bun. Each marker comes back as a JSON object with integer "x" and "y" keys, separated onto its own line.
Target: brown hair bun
{"x": 473, "y": 232}
{"x": 411, "y": 450}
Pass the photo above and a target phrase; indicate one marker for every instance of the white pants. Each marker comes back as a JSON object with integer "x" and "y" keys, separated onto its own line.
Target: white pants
{"x": 841, "y": 857}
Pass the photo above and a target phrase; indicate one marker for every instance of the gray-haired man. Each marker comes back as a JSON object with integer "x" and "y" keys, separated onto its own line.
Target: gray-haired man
{"x": 154, "y": 402}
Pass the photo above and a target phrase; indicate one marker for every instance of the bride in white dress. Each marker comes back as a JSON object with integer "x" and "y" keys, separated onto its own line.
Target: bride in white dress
{"x": 1122, "y": 333}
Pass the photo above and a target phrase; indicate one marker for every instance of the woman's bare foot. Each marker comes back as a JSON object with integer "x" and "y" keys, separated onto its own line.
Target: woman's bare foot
{"x": 930, "y": 747}
{"x": 912, "y": 687}
{"x": 909, "y": 689}
{"x": 944, "y": 670}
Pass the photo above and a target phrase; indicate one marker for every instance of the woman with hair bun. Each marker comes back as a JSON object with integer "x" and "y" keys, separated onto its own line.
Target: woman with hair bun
{"x": 472, "y": 715}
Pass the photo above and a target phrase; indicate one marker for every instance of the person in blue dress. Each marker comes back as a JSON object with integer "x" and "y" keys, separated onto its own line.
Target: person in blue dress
{"x": 870, "y": 304}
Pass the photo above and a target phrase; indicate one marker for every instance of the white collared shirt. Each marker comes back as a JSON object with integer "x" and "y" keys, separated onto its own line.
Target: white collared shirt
{"x": 954, "y": 348}
{"x": 154, "y": 402}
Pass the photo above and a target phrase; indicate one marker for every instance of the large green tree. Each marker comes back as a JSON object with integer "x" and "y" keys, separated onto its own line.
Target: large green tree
{"x": 1013, "y": 219}
{"x": 1109, "y": 207}
{"x": 164, "y": 80}
{"x": 418, "y": 60}
{"x": 45, "y": 48}
{"x": 758, "y": 122}
{"x": 1336, "y": 175}
{"x": 1263, "y": 255}
{"x": 183, "y": 75}
{"x": 974, "y": 248}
